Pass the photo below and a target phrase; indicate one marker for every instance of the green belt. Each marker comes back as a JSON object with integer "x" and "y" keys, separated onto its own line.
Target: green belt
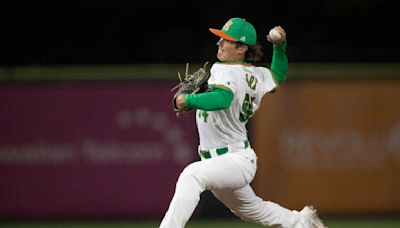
{"x": 206, "y": 153}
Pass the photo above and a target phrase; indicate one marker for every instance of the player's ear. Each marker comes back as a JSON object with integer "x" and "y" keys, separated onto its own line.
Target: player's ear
{"x": 242, "y": 49}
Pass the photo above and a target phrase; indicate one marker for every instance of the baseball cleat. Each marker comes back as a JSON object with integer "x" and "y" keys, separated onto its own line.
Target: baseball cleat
{"x": 311, "y": 213}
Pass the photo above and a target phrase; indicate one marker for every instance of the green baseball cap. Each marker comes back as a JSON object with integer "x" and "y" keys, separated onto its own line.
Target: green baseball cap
{"x": 238, "y": 30}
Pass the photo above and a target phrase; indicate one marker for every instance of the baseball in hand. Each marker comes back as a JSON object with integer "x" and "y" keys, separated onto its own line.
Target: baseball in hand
{"x": 275, "y": 35}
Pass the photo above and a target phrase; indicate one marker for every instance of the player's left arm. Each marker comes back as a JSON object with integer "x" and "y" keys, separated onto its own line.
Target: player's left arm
{"x": 219, "y": 98}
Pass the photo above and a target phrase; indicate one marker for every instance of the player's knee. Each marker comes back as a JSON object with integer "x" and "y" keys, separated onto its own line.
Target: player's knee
{"x": 191, "y": 174}
{"x": 249, "y": 210}
{"x": 189, "y": 184}
{"x": 192, "y": 171}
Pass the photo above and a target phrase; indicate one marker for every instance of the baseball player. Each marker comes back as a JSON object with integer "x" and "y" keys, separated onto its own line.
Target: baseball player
{"x": 228, "y": 163}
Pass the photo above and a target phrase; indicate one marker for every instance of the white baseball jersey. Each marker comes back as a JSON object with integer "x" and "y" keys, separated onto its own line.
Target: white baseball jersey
{"x": 248, "y": 83}
{"x": 228, "y": 175}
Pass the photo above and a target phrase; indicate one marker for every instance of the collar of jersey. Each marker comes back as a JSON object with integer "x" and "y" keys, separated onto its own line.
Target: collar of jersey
{"x": 236, "y": 63}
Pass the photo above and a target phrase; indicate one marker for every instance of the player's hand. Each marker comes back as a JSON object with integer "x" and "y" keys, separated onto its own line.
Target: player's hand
{"x": 278, "y": 38}
{"x": 180, "y": 105}
{"x": 180, "y": 102}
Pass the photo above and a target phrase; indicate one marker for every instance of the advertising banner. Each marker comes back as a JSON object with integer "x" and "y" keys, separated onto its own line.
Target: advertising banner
{"x": 334, "y": 144}
{"x": 94, "y": 149}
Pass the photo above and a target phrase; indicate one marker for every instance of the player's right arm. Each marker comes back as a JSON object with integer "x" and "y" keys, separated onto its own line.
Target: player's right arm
{"x": 279, "y": 65}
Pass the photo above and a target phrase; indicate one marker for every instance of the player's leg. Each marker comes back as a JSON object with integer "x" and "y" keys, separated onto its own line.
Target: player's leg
{"x": 227, "y": 171}
{"x": 245, "y": 204}
{"x": 186, "y": 197}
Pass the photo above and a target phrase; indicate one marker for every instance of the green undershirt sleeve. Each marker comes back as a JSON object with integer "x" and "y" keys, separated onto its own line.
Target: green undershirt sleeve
{"x": 218, "y": 99}
{"x": 279, "y": 65}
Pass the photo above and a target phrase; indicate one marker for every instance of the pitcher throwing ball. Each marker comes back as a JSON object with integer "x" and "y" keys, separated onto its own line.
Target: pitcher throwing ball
{"x": 228, "y": 163}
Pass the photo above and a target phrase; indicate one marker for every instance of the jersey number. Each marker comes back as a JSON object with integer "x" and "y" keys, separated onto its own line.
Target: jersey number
{"x": 251, "y": 81}
{"x": 204, "y": 114}
{"x": 247, "y": 109}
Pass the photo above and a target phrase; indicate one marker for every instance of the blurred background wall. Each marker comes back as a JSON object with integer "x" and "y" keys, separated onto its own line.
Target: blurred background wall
{"x": 87, "y": 129}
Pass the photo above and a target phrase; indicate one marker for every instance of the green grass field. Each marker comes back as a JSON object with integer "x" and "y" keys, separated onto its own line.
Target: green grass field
{"x": 393, "y": 222}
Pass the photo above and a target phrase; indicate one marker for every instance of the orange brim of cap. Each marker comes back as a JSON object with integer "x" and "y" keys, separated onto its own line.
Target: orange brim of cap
{"x": 222, "y": 34}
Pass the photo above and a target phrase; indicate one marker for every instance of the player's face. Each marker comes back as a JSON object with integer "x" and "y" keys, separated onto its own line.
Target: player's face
{"x": 228, "y": 51}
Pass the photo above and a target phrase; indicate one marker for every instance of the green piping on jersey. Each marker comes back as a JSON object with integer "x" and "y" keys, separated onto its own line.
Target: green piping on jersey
{"x": 279, "y": 65}
{"x": 218, "y": 99}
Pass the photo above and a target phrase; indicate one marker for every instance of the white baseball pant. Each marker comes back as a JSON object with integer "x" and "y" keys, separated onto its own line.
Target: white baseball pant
{"x": 228, "y": 177}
